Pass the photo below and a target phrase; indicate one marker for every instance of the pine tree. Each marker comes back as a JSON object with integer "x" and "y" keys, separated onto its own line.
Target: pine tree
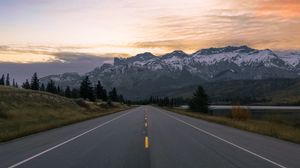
{"x": 42, "y": 88}
{"x": 35, "y": 84}
{"x": 58, "y": 90}
{"x": 100, "y": 92}
{"x": 14, "y": 83}
{"x": 68, "y": 92}
{"x": 51, "y": 87}
{"x": 113, "y": 95}
{"x": 104, "y": 95}
{"x": 26, "y": 84}
{"x": 74, "y": 93}
{"x": 121, "y": 98}
{"x": 2, "y": 80}
{"x": 199, "y": 102}
{"x": 86, "y": 89}
{"x": 7, "y": 81}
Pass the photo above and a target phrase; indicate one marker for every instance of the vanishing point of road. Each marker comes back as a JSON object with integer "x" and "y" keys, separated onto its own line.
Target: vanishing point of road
{"x": 145, "y": 137}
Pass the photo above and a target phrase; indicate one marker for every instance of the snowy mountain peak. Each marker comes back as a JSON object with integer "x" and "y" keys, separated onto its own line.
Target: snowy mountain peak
{"x": 176, "y": 53}
{"x": 139, "y": 57}
{"x": 234, "y": 55}
{"x": 239, "y": 49}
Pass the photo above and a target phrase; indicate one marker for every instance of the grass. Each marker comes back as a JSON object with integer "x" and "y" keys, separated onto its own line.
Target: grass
{"x": 266, "y": 127}
{"x": 24, "y": 112}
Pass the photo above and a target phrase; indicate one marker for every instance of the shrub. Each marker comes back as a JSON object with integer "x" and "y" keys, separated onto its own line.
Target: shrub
{"x": 82, "y": 103}
{"x": 109, "y": 103}
{"x": 4, "y": 114}
{"x": 239, "y": 113}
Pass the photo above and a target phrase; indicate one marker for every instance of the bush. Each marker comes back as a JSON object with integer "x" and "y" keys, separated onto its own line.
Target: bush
{"x": 109, "y": 103}
{"x": 239, "y": 113}
{"x": 4, "y": 114}
{"x": 82, "y": 103}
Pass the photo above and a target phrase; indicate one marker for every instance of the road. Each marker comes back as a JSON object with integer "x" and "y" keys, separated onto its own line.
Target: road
{"x": 146, "y": 137}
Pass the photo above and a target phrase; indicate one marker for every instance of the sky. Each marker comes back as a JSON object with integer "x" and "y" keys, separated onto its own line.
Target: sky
{"x": 61, "y": 31}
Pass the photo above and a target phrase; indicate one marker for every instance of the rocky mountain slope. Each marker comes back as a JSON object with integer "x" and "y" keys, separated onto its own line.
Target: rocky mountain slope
{"x": 146, "y": 74}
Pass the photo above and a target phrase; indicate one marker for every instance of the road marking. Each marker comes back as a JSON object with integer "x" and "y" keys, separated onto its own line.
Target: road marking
{"x": 67, "y": 141}
{"x": 146, "y": 125}
{"x": 226, "y": 141}
{"x": 146, "y": 142}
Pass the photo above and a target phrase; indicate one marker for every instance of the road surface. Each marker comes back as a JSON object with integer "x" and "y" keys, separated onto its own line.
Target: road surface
{"x": 146, "y": 137}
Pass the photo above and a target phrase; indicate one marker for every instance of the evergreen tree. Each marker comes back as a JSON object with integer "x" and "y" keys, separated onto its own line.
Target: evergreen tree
{"x": 74, "y": 93}
{"x": 14, "y": 83}
{"x": 199, "y": 102}
{"x": 2, "y": 80}
{"x": 17, "y": 86}
{"x": 26, "y": 84}
{"x": 113, "y": 95}
{"x": 68, "y": 92}
{"x": 51, "y": 87}
{"x": 35, "y": 84}
{"x": 99, "y": 91}
{"x": 58, "y": 90}
{"x": 7, "y": 81}
{"x": 42, "y": 88}
{"x": 121, "y": 98}
{"x": 104, "y": 95}
{"x": 86, "y": 89}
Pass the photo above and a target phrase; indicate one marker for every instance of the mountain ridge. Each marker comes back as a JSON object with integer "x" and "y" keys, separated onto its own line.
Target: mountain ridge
{"x": 141, "y": 75}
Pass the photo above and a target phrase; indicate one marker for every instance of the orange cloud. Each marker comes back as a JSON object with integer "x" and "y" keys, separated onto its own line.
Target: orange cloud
{"x": 287, "y": 9}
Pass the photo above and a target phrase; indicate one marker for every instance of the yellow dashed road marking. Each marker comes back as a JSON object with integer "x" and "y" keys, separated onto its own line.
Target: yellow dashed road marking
{"x": 146, "y": 142}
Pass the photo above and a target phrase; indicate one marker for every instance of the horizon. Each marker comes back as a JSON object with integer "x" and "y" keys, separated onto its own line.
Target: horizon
{"x": 81, "y": 63}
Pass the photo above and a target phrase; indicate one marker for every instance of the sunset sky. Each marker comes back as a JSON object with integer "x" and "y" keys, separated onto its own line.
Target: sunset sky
{"x": 43, "y": 30}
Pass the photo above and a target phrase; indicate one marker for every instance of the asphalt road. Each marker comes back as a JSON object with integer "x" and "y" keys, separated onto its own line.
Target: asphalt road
{"x": 148, "y": 137}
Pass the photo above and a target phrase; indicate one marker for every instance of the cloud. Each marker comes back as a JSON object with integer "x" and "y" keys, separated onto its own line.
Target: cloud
{"x": 239, "y": 25}
{"x": 62, "y": 62}
{"x": 74, "y": 64}
{"x": 287, "y": 9}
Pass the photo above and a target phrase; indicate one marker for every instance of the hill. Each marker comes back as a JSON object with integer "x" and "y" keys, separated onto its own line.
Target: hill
{"x": 24, "y": 112}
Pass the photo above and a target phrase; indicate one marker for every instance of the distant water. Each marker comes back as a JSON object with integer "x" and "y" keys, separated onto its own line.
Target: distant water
{"x": 225, "y": 107}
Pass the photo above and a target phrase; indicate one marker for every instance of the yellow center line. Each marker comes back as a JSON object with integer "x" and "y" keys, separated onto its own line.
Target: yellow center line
{"x": 146, "y": 142}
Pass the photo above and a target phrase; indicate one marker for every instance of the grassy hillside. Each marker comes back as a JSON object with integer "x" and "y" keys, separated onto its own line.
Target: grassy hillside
{"x": 24, "y": 112}
{"x": 274, "y": 128}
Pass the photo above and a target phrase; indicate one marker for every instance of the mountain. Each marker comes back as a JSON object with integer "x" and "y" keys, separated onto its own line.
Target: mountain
{"x": 145, "y": 74}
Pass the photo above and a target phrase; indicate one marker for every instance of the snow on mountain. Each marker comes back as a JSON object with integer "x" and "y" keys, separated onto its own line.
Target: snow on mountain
{"x": 145, "y": 74}
{"x": 240, "y": 56}
{"x": 237, "y": 56}
{"x": 290, "y": 57}
{"x": 178, "y": 69}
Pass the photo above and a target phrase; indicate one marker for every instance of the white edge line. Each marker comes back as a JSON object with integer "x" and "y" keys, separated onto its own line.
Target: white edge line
{"x": 65, "y": 142}
{"x": 224, "y": 140}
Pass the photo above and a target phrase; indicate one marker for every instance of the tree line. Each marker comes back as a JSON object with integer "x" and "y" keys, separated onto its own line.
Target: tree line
{"x": 198, "y": 103}
{"x": 5, "y": 81}
{"x": 86, "y": 90}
